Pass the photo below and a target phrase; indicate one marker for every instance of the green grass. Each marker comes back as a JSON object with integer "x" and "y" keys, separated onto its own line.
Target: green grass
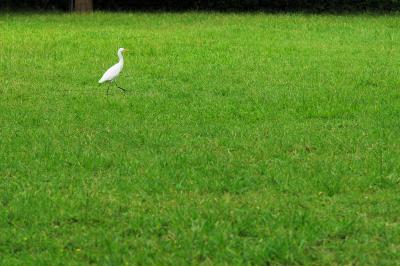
{"x": 244, "y": 139}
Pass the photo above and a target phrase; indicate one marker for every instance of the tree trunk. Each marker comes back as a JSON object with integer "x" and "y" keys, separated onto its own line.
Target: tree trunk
{"x": 83, "y": 5}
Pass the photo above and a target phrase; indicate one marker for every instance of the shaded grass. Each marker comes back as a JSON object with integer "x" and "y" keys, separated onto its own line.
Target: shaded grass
{"x": 263, "y": 139}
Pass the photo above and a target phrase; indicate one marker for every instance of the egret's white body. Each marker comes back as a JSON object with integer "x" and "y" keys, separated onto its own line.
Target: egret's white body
{"x": 113, "y": 72}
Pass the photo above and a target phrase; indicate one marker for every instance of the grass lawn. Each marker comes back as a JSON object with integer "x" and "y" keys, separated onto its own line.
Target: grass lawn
{"x": 242, "y": 139}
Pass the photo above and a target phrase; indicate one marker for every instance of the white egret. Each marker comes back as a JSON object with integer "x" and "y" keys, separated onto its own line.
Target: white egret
{"x": 113, "y": 72}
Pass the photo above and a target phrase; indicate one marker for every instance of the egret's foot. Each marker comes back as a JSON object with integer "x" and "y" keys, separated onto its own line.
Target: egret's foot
{"x": 122, "y": 89}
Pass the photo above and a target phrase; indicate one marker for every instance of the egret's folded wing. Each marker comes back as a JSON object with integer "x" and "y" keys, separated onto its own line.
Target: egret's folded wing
{"x": 110, "y": 74}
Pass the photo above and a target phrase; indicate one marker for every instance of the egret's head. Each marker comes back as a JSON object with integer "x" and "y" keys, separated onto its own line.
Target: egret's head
{"x": 121, "y": 50}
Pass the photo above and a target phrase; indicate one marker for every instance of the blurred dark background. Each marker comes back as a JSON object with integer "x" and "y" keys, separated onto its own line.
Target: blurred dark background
{"x": 218, "y": 5}
{"x": 34, "y": 4}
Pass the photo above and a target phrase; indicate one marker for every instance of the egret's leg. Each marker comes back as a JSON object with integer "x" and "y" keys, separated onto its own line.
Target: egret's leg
{"x": 119, "y": 87}
{"x": 108, "y": 88}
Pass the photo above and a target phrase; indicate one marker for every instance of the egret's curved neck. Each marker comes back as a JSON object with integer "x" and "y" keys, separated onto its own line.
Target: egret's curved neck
{"x": 121, "y": 58}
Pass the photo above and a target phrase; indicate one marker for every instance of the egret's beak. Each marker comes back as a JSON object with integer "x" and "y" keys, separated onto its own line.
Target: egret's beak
{"x": 126, "y": 50}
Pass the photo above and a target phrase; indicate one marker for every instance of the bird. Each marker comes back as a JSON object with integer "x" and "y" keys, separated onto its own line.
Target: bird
{"x": 113, "y": 72}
